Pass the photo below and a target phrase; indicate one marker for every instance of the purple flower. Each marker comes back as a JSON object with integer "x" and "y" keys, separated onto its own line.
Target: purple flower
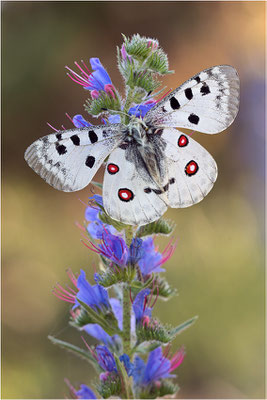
{"x": 94, "y": 296}
{"x": 140, "y": 305}
{"x": 105, "y": 359}
{"x": 127, "y": 364}
{"x": 98, "y": 333}
{"x": 158, "y": 366}
{"x": 96, "y": 226}
{"x": 85, "y": 393}
{"x": 152, "y": 259}
{"x": 136, "y": 251}
{"x": 96, "y": 81}
{"x": 140, "y": 110}
{"x": 79, "y": 122}
{"x": 112, "y": 247}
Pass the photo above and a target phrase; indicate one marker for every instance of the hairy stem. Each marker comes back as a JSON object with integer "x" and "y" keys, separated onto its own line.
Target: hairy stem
{"x": 126, "y": 334}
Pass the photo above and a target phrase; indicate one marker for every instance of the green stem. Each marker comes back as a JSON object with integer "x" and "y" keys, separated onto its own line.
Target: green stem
{"x": 126, "y": 333}
{"x": 128, "y": 102}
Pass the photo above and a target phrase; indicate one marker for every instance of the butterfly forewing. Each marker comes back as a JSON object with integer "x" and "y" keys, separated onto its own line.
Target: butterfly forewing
{"x": 207, "y": 103}
{"x": 68, "y": 160}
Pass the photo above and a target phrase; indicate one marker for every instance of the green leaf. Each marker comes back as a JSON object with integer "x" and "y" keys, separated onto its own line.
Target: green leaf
{"x": 108, "y": 321}
{"x": 77, "y": 351}
{"x": 146, "y": 347}
{"x": 126, "y": 380}
{"x": 161, "y": 226}
{"x": 182, "y": 327}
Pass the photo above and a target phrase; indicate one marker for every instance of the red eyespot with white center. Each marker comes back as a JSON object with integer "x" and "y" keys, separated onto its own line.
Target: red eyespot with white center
{"x": 125, "y": 194}
{"x": 191, "y": 168}
{"x": 113, "y": 169}
{"x": 183, "y": 141}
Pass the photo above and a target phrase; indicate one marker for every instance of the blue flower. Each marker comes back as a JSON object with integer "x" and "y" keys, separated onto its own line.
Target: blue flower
{"x": 96, "y": 226}
{"x": 152, "y": 259}
{"x": 79, "y": 122}
{"x": 113, "y": 247}
{"x": 105, "y": 359}
{"x": 136, "y": 251}
{"x": 95, "y": 296}
{"x": 99, "y": 78}
{"x": 140, "y": 305}
{"x": 157, "y": 367}
{"x": 98, "y": 333}
{"x": 140, "y": 110}
{"x": 85, "y": 393}
{"x": 127, "y": 364}
{"x": 94, "y": 81}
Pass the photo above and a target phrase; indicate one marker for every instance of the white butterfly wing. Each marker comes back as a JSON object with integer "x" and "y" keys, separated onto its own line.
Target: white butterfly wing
{"x": 68, "y": 160}
{"x": 192, "y": 170}
{"x": 127, "y": 195}
{"x": 207, "y": 103}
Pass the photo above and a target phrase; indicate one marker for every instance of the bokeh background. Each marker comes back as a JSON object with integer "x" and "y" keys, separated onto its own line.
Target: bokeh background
{"x": 218, "y": 266}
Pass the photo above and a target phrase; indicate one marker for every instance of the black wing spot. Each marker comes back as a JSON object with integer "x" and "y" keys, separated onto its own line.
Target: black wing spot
{"x": 166, "y": 187}
{"x": 188, "y": 93}
{"x": 59, "y": 136}
{"x": 174, "y": 103}
{"x": 61, "y": 149}
{"x": 157, "y": 191}
{"x": 205, "y": 89}
{"x": 93, "y": 136}
{"x": 197, "y": 78}
{"x": 147, "y": 190}
{"x": 90, "y": 160}
{"x": 164, "y": 109}
{"x": 171, "y": 181}
{"x": 193, "y": 118}
{"x": 75, "y": 140}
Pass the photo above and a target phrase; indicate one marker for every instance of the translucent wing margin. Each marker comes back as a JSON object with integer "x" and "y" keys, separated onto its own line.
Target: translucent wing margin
{"x": 68, "y": 160}
{"x": 207, "y": 103}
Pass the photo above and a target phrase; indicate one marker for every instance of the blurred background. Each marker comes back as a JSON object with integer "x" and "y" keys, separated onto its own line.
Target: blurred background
{"x": 218, "y": 266}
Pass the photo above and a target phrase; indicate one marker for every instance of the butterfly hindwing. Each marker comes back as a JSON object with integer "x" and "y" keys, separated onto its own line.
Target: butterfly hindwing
{"x": 191, "y": 169}
{"x": 207, "y": 103}
{"x": 128, "y": 193}
{"x": 68, "y": 160}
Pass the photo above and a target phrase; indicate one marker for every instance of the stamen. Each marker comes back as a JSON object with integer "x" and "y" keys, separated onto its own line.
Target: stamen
{"x": 68, "y": 116}
{"x": 54, "y": 129}
{"x": 80, "y": 68}
{"x": 86, "y": 67}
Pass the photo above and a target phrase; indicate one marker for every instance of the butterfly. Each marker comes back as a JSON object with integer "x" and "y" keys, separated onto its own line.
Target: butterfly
{"x": 151, "y": 165}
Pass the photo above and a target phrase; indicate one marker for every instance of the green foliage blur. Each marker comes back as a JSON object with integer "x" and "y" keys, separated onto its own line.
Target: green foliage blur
{"x": 218, "y": 266}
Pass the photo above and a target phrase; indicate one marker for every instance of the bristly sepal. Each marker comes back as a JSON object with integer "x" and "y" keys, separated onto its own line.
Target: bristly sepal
{"x": 110, "y": 386}
{"x": 115, "y": 274}
{"x": 103, "y": 104}
{"x": 161, "y": 389}
{"x": 154, "y": 330}
{"x": 163, "y": 289}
